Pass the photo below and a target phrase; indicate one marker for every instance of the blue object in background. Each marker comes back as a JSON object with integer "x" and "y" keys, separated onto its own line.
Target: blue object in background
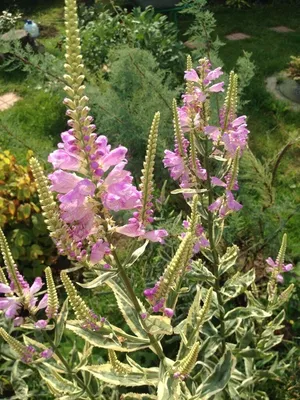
{"x": 32, "y": 28}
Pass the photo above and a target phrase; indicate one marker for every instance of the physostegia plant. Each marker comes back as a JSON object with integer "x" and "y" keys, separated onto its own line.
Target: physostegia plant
{"x": 224, "y": 346}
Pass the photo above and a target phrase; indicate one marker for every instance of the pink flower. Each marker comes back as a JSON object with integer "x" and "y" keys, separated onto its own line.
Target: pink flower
{"x": 75, "y": 205}
{"x": 48, "y": 353}
{"x": 133, "y": 229}
{"x": 218, "y": 87}
{"x": 113, "y": 158}
{"x": 41, "y": 324}
{"x": 213, "y": 132}
{"x": 215, "y": 74}
{"x": 278, "y": 268}
{"x": 99, "y": 250}
{"x": 156, "y": 235}
{"x": 174, "y": 163}
{"x": 63, "y": 182}
{"x": 191, "y": 75}
{"x": 61, "y": 159}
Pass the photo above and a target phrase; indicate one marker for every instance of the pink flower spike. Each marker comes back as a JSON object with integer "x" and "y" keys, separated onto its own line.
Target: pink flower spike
{"x": 218, "y": 87}
{"x": 191, "y": 75}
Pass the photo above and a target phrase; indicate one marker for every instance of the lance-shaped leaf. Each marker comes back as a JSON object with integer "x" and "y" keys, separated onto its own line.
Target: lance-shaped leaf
{"x": 137, "y": 254}
{"x": 99, "y": 281}
{"x": 168, "y": 388}
{"x": 127, "y": 309}
{"x": 138, "y": 396}
{"x": 219, "y": 378}
{"x": 159, "y": 325}
{"x": 247, "y": 312}
{"x": 283, "y": 297}
{"x": 228, "y": 260}
{"x": 136, "y": 377}
{"x": 60, "y": 323}
{"x": 56, "y": 383}
{"x": 109, "y": 337}
{"x": 238, "y": 284}
{"x": 193, "y": 323}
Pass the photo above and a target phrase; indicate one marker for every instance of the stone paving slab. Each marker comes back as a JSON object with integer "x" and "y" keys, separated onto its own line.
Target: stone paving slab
{"x": 281, "y": 29}
{"x": 7, "y": 100}
{"x": 237, "y": 36}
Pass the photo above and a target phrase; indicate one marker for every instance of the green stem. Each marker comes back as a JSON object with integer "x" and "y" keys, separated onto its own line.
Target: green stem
{"x": 68, "y": 368}
{"x": 214, "y": 251}
{"x": 154, "y": 343}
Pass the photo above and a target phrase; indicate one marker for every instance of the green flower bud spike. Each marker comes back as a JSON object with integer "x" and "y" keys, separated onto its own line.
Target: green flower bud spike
{"x": 3, "y": 277}
{"x": 52, "y": 306}
{"x": 58, "y": 230}
{"x": 231, "y": 99}
{"x": 10, "y": 263}
{"x": 146, "y": 185}
{"x": 189, "y": 66}
{"x": 281, "y": 253}
{"x": 176, "y": 267}
{"x": 82, "y": 311}
{"x": 25, "y": 352}
{"x": 187, "y": 364}
{"x": 234, "y": 170}
{"x": 179, "y": 137}
{"x": 118, "y": 366}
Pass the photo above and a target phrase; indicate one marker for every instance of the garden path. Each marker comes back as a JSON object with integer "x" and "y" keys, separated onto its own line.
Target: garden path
{"x": 7, "y": 100}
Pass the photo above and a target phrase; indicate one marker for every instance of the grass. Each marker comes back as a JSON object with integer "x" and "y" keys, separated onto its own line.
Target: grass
{"x": 271, "y": 123}
{"x": 36, "y": 121}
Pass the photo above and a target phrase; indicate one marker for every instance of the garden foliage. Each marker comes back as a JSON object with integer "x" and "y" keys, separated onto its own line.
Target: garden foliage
{"x": 145, "y": 29}
{"x": 21, "y": 219}
{"x": 226, "y": 345}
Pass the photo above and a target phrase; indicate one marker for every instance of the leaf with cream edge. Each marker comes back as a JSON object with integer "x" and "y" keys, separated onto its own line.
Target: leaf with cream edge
{"x": 237, "y": 285}
{"x": 109, "y": 337}
{"x": 136, "y": 377}
{"x": 127, "y": 309}
{"x": 60, "y": 323}
{"x": 228, "y": 260}
{"x": 57, "y": 384}
{"x": 219, "y": 378}
{"x": 159, "y": 325}
{"x": 99, "y": 281}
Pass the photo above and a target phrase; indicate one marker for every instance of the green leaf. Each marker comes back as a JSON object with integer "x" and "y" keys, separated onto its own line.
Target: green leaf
{"x": 127, "y": 309}
{"x": 228, "y": 260}
{"x": 106, "y": 373}
{"x": 137, "y": 254}
{"x": 188, "y": 191}
{"x": 138, "y": 396}
{"x": 219, "y": 378}
{"x": 35, "y": 251}
{"x": 238, "y": 284}
{"x": 200, "y": 272}
{"x": 56, "y": 383}
{"x": 246, "y": 312}
{"x": 159, "y": 325}
{"x": 60, "y": 323}
{"x": 249, "y": 353}
{"x": 274, "y": 325}
{"x": 109, "y": 337}
{"x": 99, "y": 281}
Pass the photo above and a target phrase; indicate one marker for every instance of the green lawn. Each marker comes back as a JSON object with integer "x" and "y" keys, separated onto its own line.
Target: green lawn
{"x": 271, "y": 124}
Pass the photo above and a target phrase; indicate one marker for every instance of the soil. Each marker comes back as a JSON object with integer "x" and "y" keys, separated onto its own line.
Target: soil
{"x": 48, "y": 31}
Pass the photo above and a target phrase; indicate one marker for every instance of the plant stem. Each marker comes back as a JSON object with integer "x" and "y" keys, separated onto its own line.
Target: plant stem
{"x": 154, "y": 343}
{"x": 214, "y": 251}
{"x": 68, "y": 368}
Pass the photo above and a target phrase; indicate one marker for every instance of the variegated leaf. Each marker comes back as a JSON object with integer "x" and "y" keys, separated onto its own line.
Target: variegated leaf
{"x": 109, "y": 337}
{"x": 136, "y": 377}
{"x": 127, "y": 309}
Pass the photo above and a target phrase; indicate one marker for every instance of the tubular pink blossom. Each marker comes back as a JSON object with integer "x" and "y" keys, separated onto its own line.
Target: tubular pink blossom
{"x": 218, "y": 87}
{"x": 191, "y": 75}
{"x": 156, "y": 235}
{"x": 63, "y": 182}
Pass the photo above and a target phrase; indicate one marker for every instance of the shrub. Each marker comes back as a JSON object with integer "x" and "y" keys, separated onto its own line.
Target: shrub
{"x": 124, "y": 106}
{"x": 20, "y": 217}
{"x": 294, "y": 68}
{"x": 8, "y": 21}
{"x": 139, "y": 29}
